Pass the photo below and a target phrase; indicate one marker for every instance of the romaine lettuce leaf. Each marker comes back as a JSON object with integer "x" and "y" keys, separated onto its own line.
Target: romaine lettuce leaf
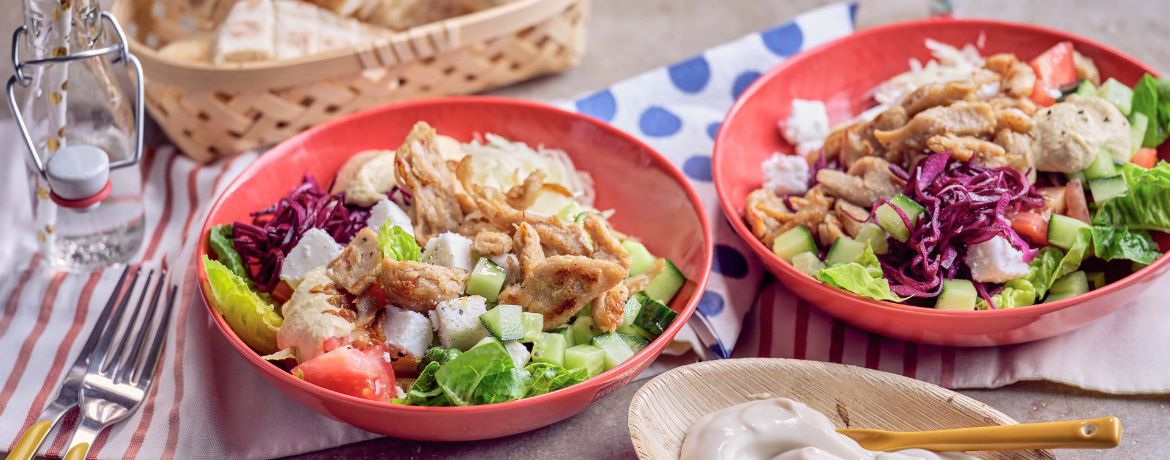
{"x": 252, "y": 318}
{"x": 425, "y": 391}
{"x": 1147, "y": 204}
{"x": 220, "y": 238}
{"x": 862, "y": 277}
{"x": 1015, "y": 293}
{"x": 1149, "y": 101}
{"x": 439, "y": 355}
{"x": 1043, "y": 270}
{"x": 551, "y": 377}
{"x": 396, "y": 243}
{"x": 1075, "y": 255}
{"x": 1110, "y": 243}
{"x": 484, "y": 374}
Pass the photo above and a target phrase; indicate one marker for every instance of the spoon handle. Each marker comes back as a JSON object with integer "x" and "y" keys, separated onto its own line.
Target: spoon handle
{"x": 1098, "y": 433}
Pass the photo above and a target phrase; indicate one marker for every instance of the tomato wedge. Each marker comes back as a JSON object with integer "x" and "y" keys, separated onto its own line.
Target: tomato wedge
{"x": 364, "y": 374}
{"x": 1055, "y": 68}
{"x": 1074, "y": 199}
{"x": 1145, "y": 158}
{"x": 1032, "y": 226}
{"x": 1053, "y": 199}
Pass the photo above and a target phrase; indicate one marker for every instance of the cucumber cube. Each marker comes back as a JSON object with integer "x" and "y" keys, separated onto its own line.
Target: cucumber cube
{"x": 616, "y": 350}
{"x": 533, "y": 325}
{"x": 957, "y": 295}
{"x": 1105, "y": 188}
{"x": 877, "y": 238}
{"x": 792, "y": 242}
{"x": 1087, "y": 89}
{"x": 891, "y": 221}
{"x": 1062, "y": 231}
{"x": 808, "y": 263}
{"x": 637, "y": 331}
{"x": 587, "y": 357}
{"x": 583, "y": 330}
{"x": 487, "y": 279}
{"x": 505, "y": 322}
{"x": 1070, "y": 285}
{"x": 635, "y": 342}
{"x": 549, "y": 348}
{"x": 655, "y": 317}
{"x": 845, "y": 250}
{"x": 631, "y": 309}
{"x": 640, "y": 257}
{"x": 565, "y": 331}
{"x": 1118, "y": 94}
{"x": 1102, "y": 166}
{"x": 664, "y": 286}
{"x": 1138, "y": 123}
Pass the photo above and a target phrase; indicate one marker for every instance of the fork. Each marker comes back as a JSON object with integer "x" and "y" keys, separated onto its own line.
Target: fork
{"x": 123, "y": 363}
{"x": 67, "y": 394}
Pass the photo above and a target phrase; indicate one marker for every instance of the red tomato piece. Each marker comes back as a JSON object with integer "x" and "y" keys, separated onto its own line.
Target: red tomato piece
{"x": 1032, "y": 226}
{"x": 347, "y": 370}
{"x": 1145, "y": 158}
{"x": 1053, "y": 199}
{"x": 1054, "y": 69}
{"x": 1074, "y": 199}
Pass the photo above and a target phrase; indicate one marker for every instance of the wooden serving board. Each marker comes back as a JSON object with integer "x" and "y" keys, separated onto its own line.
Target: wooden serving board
{"x": 663, "y": 410}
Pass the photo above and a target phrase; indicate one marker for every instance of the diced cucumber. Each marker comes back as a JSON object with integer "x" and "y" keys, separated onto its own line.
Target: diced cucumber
{"x": 570, "y": 210}
{"x": 583, "y": 330}
{"x": 518, "y": 352}
{"x": 587, "y": 357}
{"x": 631, "y": 309}
{"x": 1087, "y": 89}
{"x": 635, "y": 342}
{"x": 487, "y": 279}
{"x": 640, "y": 257}
{"x": 889, "y": 219}
{"x": 584, "y": 312}
{"x": 567, "y": 332}
{"x": 792, "y": 242}
{"x": 1096, "y": 279}
{"x": 1118, "y": 94}
{"x": 616, "y": 350}
{"x": 1138, "y": 123}
{"x": 549, "y": 348}
{"x": 808, "y": 263}
{"x": 664, "y": 286}
{"x": 957, "y": 294}
{"x": 533, "y": 325}
{"x": 655, "y": 317}
{"x": 876, "y": 237}
{"x": 1105, "y": 188}
{"x": 1079, "y": 175}
{"x": 636, "y": 330}
{"x": 1072, "y": 284}
{"x": 1062, "y": 231}
{"x": 505, "y": 322}
{"x": 845, "y": 250}
{"x": 1102, "y": 166}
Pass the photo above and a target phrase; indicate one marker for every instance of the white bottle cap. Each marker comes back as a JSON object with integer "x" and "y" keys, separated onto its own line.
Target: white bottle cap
{"x": 79, "y": 174}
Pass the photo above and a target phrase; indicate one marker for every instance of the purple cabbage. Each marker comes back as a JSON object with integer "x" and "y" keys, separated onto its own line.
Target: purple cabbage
{"x": 274, "y": 231}
{"x": 965, "y": 204}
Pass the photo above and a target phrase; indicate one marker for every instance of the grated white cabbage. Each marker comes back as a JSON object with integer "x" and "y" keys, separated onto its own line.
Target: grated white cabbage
{"x": 949, "y": 64}
{"x": 501, "y": 163}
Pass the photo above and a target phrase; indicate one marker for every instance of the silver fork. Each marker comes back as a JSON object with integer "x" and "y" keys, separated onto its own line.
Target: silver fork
{"x": 124, "y": 361}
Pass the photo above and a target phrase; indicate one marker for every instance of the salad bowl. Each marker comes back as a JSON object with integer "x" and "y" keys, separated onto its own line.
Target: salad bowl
{"x": 843, "y": 74}
{"x": 649, "y": 196}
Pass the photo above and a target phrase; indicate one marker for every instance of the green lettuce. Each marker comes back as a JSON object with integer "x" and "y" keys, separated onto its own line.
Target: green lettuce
{"x": 253, "y": 318}
{"x": 438, "y": 355}
{"x": 396, "y": 243}
{"x": 862, "y": 277}
{"x": 220, "y": 238}
{"x": 551, "y": 377}
{"x": 1043, "y": 268}
{"x": 1151, "y": 98}
{"x": 1110, "y": 243}
{"x": 1147, "y": 204}
{"x": 1015, "y": 293}
{"x": 484, "y": 374}
{"x": 425, "y": 390}
{"x": 1075, "y": 255}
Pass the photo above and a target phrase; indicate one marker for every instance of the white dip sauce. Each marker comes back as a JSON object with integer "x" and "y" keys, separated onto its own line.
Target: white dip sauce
{"x": 782, "y": 429}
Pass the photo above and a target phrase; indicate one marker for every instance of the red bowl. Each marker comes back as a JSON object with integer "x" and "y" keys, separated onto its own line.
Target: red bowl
{"x": 842, "y": 73}
{"x": 652, "y": 199}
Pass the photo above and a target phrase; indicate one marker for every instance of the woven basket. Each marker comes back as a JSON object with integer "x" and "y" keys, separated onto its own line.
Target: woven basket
{"x": 211, "y": 111}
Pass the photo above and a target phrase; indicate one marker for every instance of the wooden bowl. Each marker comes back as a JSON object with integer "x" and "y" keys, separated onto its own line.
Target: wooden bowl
{"x": 853, "y": 397}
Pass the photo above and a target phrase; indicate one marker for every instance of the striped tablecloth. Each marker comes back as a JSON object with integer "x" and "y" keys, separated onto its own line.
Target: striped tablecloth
{"x": 209, "y": 403}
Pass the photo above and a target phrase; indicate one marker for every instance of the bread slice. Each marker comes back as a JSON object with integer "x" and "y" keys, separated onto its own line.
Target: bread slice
{"x": 298, "y": 27}
{"x": 248, "y": 33}
{"x": 192, "y": 49}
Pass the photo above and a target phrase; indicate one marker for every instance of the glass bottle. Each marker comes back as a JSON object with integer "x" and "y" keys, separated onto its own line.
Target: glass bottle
{"x": 69, "y": 97}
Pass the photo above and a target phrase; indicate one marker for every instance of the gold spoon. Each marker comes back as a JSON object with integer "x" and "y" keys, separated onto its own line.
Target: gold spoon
{"x": 1098, "y": 433}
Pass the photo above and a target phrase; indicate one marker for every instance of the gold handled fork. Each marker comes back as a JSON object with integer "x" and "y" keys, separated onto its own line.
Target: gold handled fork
{"x": 124, "y": 361}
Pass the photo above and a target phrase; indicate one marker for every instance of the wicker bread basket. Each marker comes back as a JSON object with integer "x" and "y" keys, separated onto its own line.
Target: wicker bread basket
{"x": 211, "y": 111}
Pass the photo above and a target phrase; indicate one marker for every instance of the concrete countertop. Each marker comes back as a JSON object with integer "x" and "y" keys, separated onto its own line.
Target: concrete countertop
{"x": 628, "y": 37}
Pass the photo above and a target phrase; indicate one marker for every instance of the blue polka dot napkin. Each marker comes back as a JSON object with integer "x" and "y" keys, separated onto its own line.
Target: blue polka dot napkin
{"x": 677, "y": 110}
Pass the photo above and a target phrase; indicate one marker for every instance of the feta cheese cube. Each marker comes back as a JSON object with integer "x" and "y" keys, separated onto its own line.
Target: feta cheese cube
{"x": 315, "y": 249}
{"x": 808, "y": 122}
{"x": 785, "y": 174}
{"x": 995, "y": 261}
{"x": 518, "y": 352}
{"x": 407, "y": 331}
{"x": 386, "y": 210}
{"x": 449, "y": 250}
{"x": 459, "y": 325}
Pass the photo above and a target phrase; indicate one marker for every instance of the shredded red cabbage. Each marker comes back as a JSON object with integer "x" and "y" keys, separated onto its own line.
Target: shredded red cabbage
{"x": 274, "y": 231}
{"x": 965, "y": 204}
